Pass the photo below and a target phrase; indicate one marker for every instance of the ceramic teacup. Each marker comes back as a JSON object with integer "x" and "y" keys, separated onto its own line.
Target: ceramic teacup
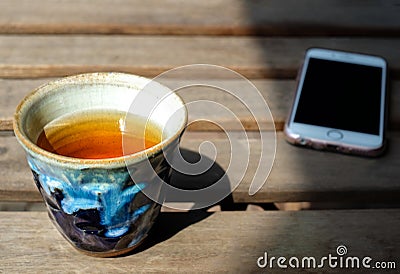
{"x": 96, "y": 204}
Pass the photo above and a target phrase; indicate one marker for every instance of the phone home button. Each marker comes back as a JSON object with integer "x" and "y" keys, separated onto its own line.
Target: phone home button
{"x": 335, "y": 134}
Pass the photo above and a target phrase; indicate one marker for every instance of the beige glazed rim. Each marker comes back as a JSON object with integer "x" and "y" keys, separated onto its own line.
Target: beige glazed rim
{"x": 115, "y": 80}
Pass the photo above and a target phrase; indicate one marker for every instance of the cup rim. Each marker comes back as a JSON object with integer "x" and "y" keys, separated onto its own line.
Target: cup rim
{"x": 86, "y": 78}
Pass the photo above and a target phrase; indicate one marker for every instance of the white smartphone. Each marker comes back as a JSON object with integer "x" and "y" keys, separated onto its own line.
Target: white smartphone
{"x": 340, "y": 103}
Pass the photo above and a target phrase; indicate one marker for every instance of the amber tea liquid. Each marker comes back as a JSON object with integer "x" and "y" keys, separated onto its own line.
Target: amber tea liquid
{"x": 98, "y": 134}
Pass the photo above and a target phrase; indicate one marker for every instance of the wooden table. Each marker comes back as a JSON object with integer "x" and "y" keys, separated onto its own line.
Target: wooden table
{"x": 265, "y": 42}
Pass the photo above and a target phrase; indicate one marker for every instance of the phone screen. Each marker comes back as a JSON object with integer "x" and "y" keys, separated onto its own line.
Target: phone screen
{"x": 341, "y": 95}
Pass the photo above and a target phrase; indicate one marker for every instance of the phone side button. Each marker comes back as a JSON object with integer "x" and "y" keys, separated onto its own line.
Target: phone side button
{"x": 334, "y": 134}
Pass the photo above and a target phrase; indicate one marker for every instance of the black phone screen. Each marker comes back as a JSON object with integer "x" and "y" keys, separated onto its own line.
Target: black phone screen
{"x": 341, "y": 95}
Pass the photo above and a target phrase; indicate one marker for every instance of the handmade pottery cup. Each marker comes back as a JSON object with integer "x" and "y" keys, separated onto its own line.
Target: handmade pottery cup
{"x": 96, "y": 204}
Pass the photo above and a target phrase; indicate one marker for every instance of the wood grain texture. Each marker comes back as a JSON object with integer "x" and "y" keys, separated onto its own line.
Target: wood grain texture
{"x": 222, "y": 17}
{"x": 297, "y": 175}
{"x": 32, "y": 56}
{"x": 277, "y": 93}
{"x": 200, "y": 242}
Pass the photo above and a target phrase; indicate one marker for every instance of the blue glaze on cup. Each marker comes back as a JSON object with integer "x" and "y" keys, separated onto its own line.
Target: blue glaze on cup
{"x": 102, "y": 190}
{"x": 102, "y": 203}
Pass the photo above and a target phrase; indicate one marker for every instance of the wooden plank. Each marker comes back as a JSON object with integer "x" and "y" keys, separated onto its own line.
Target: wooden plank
{"x": 277, "y": 93}
{"x": 300, "y": 174}
{"x": 223, "y": 17}
{"x": 297, "y": 175}
{"x": 219, "y": 242}
{"x": 27, "y": 56}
